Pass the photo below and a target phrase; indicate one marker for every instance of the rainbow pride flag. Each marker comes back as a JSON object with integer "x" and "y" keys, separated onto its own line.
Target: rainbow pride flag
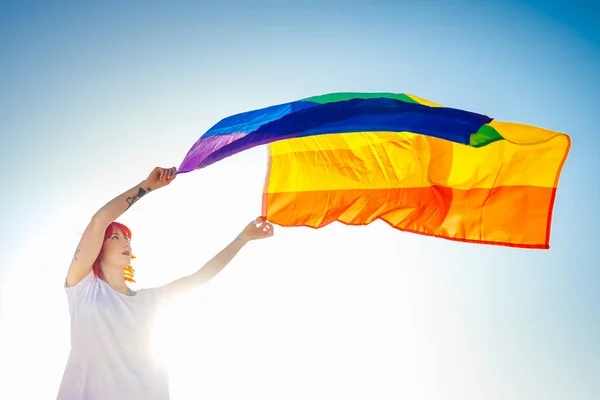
{"x": 423, "y": 168}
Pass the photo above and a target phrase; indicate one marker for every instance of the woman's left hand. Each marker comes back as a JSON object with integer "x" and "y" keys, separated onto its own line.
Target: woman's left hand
{"x": 260, "y": 228}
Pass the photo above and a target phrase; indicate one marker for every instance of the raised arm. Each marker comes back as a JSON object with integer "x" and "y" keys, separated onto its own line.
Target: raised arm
{"x": 257, "y": 229}
{"x": 90, "y": 243}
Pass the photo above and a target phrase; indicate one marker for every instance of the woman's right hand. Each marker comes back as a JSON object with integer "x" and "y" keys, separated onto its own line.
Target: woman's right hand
{"x": 160, "y": 177}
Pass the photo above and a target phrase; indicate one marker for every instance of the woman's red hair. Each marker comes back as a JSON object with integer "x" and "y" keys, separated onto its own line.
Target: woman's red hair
{"x": 128, "y": 272}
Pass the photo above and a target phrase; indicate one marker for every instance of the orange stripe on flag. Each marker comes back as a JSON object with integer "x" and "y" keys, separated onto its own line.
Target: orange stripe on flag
{"x": 507, "y": 215}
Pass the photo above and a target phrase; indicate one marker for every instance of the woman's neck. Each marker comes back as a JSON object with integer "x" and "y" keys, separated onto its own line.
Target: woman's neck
{"x": 115, "y": 280}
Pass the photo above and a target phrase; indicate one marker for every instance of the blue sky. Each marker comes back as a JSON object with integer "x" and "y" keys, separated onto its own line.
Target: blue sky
{"x": 95, "y": 95}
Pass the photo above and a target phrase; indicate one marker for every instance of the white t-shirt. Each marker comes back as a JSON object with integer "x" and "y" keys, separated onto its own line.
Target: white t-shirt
{"x": 111, "y": 352}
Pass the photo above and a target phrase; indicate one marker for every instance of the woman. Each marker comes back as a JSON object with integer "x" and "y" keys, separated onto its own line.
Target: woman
{"x": 111, "y": 325}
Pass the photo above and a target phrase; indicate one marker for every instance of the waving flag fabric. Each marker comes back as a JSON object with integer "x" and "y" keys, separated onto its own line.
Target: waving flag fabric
{"x": 358, "y": 157}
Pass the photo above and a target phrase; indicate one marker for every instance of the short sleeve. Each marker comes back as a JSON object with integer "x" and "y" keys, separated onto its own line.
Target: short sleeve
{"x": 155, "y": 298}
{"x": 81, "y": 286}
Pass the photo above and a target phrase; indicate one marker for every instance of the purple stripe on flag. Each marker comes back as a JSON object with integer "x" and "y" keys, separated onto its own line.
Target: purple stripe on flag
{"x": 204, "y": 147}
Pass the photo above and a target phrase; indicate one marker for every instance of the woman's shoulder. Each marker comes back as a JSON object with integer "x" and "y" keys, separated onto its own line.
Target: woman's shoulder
{"x": 84, "y": 285}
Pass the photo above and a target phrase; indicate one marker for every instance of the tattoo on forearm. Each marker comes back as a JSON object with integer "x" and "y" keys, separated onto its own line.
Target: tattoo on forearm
{"x": 239, "y": 239}
{"x": 141, "y": 192}
{"x": 76, "y": 253}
